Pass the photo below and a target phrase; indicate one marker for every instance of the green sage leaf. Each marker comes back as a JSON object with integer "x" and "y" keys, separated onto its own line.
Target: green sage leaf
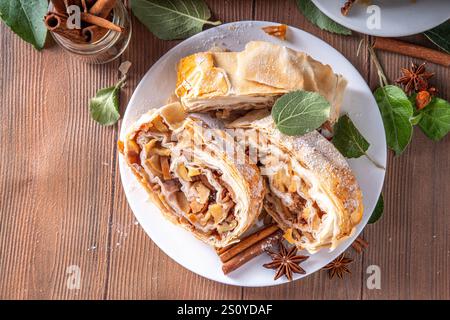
{"x": 104, "y": 107}
{"x": 175, "y": 19}
{"x": 435, "y": 119}
{"x": 396, "y": 111}
{"x": 348, "y": 140}
{"x": 300, "y": 112}
{"x": 440, "y": 36}
{"x": 378, "y": 211}
{"x": 25, "y": 18}
{"x": 316, "y": 17}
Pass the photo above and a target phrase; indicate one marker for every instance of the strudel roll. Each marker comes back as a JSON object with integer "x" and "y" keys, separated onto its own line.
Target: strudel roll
{"x": 192, "y": 180}
{"x": 312, "y": 193}
{"x": 253, "y": 78}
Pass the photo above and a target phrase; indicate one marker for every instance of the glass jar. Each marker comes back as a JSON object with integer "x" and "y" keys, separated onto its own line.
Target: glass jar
{"x": 107, "y": 48}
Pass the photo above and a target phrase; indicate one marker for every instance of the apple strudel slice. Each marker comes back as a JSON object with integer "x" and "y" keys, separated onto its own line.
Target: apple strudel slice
{"x": 191, "y": 179}
{"x": 312, "y": 193}
{"x": 253, "y": 78}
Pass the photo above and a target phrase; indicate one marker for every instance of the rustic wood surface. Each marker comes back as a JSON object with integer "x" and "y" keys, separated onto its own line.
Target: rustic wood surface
{"x": 62, "y": 204}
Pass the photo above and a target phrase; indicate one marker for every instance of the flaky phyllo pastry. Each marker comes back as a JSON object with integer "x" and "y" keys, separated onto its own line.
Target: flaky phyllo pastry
{"x": 253, "y": 78}
{"x": 190, "y": 178}
{"x": 312, "y": 193}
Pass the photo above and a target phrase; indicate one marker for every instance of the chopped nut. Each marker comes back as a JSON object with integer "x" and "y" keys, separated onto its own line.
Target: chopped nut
{"x": 133, "y": 146}
{"x": 283, "y": 182}
{"x": 216, "y": 212}
{"x": 224, "y": 227}
{"x": 202, "y": 191}
{"x": 183, "y": 202}
{"x": 288, "y": 236}
{"x": 151, "y": 147}
{"x": 183, "y": 173}
{"x": 197, "y": 206}
{"x": 292, "y": 186}
{"x": 192, "y": 218}
{"x": 154, "y": 163}
{"x": 159, "y": 125}
{"x": 165, "y": 168}
{"x": 192, "y": 172}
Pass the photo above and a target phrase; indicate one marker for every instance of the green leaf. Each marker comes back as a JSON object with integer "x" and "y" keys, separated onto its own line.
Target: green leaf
{"x": 396, "y": 111}
{"x": 315, "y": 16}
{"x": 300, "y": 112}
{"x": 415, "y": 119}
{"x": 175, "y": 19}
{"x": 435, "y": 120}
{"x": 104, "y": 107}
{"x": 378, "y": 211}
{"x": 26, "y": 19}
{"x": 440, "y": 36}
{"x": 348, "y": 140}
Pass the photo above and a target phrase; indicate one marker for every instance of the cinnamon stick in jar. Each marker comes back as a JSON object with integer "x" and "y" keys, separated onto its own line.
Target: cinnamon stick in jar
{"x": 93, "y": 33}
{"x": 101, "y": 22}
{"x": 58, "y": 23}
{"x": 73, "y": 2}
{"x": 412, "y": 50}
{"x": 102, "y": 8}
{"x": 59, "y": 6}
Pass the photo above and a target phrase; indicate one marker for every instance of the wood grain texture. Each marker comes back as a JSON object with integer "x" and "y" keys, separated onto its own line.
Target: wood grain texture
{"x": 57, "y": 195}
{"x": 62, "y": 203}
{"x": 411, "y": 243}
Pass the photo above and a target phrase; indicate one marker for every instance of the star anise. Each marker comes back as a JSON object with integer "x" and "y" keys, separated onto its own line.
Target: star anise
{"x": 415, "y": 78}
{"x": 338, "y": 267}
{"x": 286, "y": 262}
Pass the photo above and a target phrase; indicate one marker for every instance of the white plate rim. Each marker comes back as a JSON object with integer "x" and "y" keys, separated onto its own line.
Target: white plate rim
{"x": 386, "y": 32}
{"x": 382, "y": 159}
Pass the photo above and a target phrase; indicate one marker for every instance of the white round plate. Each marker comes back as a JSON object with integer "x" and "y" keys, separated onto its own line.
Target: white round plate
{"x": 398, "y": 18}
{"x": 158, "y": 84}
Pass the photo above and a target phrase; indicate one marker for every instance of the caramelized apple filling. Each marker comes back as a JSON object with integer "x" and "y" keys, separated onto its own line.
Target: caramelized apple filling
{"x": 192, "y": 190}
{"x": 292, "y": 201}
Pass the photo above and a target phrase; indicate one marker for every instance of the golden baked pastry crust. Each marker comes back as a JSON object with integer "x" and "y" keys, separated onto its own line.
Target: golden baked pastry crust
{"x": 208, "y": 172}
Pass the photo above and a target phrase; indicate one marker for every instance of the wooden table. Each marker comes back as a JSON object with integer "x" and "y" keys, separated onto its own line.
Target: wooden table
{"x": 62, "y": 203}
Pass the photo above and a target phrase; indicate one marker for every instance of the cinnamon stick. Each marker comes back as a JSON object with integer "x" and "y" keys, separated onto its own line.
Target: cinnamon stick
{"x": 59, "y": 6}
{"x": 84, "y": 6}
{"x": 102, "y": 8}
{"x": 360, "y": 244}
{"x": 247, "y": 242}
{"x": 101, "y": 22}
{"x": 93, "y": 33}
{"x": 57, "y": 23}
{"x": 251, "y": 252}
{"x": 412, "y": 50}
{"x": 73, "y": 2}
